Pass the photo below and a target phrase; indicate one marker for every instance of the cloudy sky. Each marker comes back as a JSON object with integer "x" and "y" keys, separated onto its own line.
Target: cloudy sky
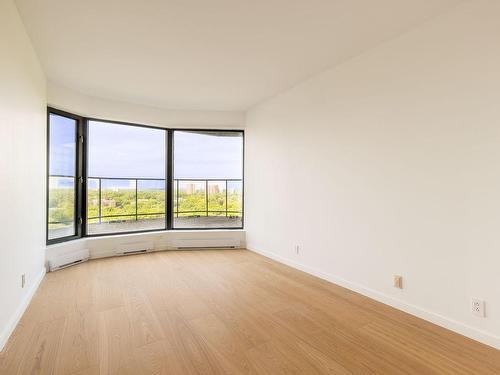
{"x": 136, "y": 152}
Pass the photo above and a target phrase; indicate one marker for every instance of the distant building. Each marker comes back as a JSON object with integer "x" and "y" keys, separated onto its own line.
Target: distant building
{"x": 213, "y": 189}
{"x": 104, "y": 203}
{"x": 189, "y": 188}
{"x": 109, "y": 203}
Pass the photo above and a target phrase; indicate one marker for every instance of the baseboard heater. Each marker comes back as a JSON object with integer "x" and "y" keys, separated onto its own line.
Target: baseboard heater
{"x": 212, "y": 243}
{"x": 131, "y": 248}
{"x": 67, "y": 260}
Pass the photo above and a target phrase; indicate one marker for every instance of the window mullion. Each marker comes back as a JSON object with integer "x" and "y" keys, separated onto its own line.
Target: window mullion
{"x": 169, "y": 175}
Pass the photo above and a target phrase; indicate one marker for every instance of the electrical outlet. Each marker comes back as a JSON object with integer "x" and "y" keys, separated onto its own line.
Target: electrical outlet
{"x": 477, "y": 307}
{"x": 297, "y": 249}
{"x": 398, "y": 281}
{"x": 23, "y": 280}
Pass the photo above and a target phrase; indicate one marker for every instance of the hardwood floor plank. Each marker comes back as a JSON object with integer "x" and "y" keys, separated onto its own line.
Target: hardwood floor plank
{"x": 144, "y": 326}
{"x": 196, "y": 355}
{"x": 223, "y": 312}
{"x": 225, "y": 341}
{"x": 159, "y": 359}
{"x": 13, "y": 352}
{"x": 79, "y": 345}
{"x": 116, "y": 348}
{"x": 43, "y": 348}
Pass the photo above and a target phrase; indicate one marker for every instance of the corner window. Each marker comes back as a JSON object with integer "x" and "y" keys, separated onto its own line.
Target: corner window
{"x": 108, "y": 178}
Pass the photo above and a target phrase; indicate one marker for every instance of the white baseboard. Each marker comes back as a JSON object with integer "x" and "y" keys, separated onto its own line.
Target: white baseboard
{"x": 109, "y": 254}
{"x": 4, "y": 336}
{"x": 453, "y": 325}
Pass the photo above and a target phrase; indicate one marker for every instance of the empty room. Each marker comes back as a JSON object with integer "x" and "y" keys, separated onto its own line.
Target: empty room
{"x": 258, "y": 187}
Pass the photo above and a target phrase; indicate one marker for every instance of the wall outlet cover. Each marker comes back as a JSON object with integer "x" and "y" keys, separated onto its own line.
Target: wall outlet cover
{"x": 398, "y": 281}
{"x": 477, "y": 307}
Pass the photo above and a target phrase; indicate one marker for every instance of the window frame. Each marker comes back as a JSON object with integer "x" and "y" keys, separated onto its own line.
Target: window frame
{"x": 172, "y": 131}
{"x": 167, "y": 157}
{"x": 79, "y": 176}
{"x": 81, "y": 173}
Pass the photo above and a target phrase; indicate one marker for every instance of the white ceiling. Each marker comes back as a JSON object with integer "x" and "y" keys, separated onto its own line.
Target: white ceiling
{"x": 207, "y": 54}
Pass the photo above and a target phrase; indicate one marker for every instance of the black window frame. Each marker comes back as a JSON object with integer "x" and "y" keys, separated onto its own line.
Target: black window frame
{"x": 172, "y": 131}
{"x": 81, "y": 173}
{"x": 80, "y": 203}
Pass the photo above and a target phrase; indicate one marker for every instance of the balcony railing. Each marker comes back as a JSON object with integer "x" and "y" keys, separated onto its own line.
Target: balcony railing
{"x": 189, "y": 183}
{"x": 184, "y": 189}
{"x": 133, "y": 185}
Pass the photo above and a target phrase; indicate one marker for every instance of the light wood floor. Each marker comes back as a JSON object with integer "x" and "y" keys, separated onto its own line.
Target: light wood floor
{"x": 223, "y": 312}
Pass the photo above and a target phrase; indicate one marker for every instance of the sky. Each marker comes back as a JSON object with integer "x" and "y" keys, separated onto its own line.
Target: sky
{"x": 62, "y": 146}
{"x": 116, "y": 150}
{"x": 125, "y": 151}
{"x": 208, "y": 156}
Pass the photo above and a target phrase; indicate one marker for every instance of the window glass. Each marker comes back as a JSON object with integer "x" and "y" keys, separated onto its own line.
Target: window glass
{"x": 126, "y": 178}
{"x": 208, "y": 179}
{"x": 62, "y": 177}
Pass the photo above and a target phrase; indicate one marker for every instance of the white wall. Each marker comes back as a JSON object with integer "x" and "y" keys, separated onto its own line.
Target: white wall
{"x": 106, "y": 246}
{"x": 72, "y": 101}
{"x": 22, "y": 169}
{"x": 389, "y": 164}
